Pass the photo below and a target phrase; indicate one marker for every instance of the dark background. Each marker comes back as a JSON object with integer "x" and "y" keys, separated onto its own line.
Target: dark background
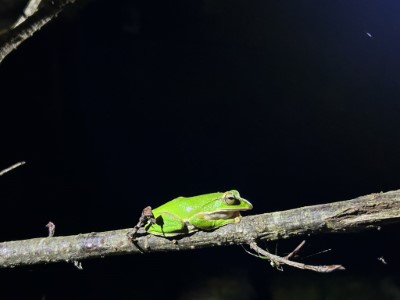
{"x": 119, "y": 105}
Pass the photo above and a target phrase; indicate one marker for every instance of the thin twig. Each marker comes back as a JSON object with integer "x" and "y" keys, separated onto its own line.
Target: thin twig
{"x": 52, "y": 228}
{"x": 11, "y": 168}
{"x": 296, "y": 250}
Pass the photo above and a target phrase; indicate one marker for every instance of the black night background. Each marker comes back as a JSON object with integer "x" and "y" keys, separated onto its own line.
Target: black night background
{"x": 117, "y": 105}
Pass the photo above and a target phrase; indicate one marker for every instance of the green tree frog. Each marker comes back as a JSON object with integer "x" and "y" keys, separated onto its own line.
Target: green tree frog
{"x": 184, "y": 215}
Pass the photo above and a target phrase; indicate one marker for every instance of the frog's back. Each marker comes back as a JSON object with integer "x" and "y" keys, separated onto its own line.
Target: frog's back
{"x": 186, "y": 205}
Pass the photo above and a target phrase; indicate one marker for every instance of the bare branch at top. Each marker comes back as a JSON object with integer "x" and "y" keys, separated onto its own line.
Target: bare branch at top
{"x": 47, "y": 10}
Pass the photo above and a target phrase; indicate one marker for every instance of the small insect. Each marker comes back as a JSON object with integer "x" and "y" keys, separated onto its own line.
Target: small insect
{"x": 369, "y": 35}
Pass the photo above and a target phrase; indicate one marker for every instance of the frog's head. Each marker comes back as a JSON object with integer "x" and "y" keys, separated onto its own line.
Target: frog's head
{"x": 226, "y": 205}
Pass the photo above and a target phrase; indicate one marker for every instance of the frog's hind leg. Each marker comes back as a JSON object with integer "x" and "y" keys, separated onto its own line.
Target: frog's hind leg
{"x": 170, "y": 224}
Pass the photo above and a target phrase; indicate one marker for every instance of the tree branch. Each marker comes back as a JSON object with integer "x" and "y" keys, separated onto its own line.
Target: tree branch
{"x": 48, "y": 10}
{"x": 360, "y": 214}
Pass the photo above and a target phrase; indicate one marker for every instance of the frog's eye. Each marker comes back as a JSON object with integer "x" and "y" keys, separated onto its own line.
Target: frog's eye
{"x": 229, "y": 198}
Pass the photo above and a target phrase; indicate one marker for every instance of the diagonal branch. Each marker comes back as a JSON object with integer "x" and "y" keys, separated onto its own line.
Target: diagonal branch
{"x": 48, "y": 10}
{"x": 16, "y": 165}
{"x": 359, "y": 214}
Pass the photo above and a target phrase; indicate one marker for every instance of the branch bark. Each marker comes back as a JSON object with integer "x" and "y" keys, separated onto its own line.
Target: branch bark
{"x": 360, "y": 214}
{"x": 48, "y": 10}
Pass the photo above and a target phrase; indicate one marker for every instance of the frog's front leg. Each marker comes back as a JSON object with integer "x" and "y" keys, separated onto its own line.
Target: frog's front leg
{"x": 202, "y": 222}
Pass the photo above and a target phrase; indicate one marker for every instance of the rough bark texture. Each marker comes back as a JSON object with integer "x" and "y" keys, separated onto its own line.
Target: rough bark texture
{"x": 47, "y": 11}
{"x": 360, "y": 214}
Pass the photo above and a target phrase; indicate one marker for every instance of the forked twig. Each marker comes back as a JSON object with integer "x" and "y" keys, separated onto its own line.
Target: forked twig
{"x": 277, "y": 261}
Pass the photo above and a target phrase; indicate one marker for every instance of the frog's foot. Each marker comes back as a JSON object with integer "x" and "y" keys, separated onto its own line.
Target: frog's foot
{"x": 238, "y": 218}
